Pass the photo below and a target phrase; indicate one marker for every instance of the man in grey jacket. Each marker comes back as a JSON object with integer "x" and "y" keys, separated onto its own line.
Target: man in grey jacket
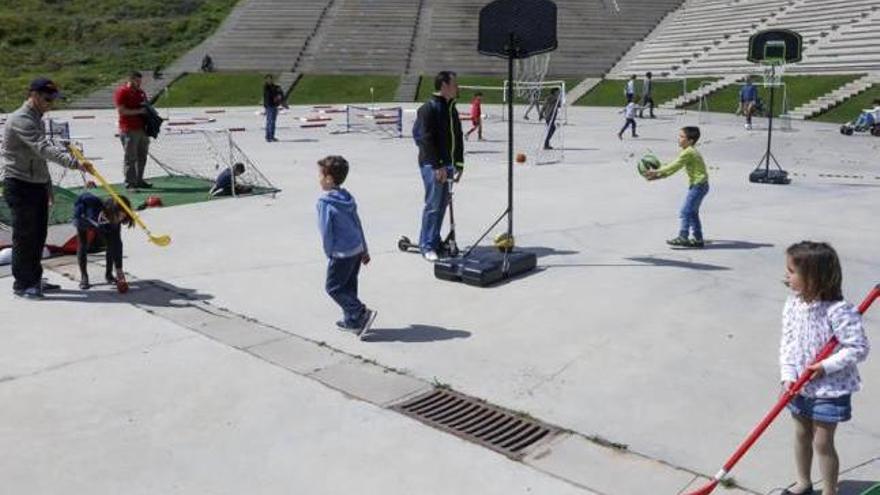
{"x": 27, "y": 186}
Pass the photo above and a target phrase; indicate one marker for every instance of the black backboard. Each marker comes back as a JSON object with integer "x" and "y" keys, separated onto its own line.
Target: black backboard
{"x": 531, "y": 22}
{"x": 775, "y": 46}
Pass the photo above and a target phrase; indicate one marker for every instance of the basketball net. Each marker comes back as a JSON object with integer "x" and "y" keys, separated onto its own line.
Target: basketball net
{"x": 530, "y": 70}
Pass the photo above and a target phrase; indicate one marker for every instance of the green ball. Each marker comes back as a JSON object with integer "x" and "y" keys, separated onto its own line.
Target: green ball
{"x": 648, "y": 162}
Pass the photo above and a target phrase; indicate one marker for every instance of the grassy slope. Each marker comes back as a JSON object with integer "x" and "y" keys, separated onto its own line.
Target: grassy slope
{"x": 317, "y": 89}
{"x": 426, "y": 87}
{"x": 215, "y": 89}
{"x": 609, "y": 93}
{"x": 87, "y": 44}
{"x": 801, "y": 89}
{"x": 851, "y": 108}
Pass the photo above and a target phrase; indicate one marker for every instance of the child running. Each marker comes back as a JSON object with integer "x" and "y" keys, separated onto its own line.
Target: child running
{"x": 811, "y": 316}
{"x": 476, "y": 116}
{"x": 629, "y": 112}
{"x": 698, "y": 186}
{"x": 344, "y": 245}
{"x": 104, "y": 218}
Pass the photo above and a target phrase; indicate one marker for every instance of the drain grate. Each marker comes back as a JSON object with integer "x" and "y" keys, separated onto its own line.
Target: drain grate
{"x": 465, "y": 417}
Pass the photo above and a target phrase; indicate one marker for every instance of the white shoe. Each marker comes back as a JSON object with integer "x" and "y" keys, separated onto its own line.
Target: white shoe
{"x": 431, "y": 256}
{"x": 748, "y": 127}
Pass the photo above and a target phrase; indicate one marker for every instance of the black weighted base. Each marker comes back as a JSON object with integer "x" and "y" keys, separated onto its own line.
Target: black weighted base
{"x": 763, "y": 176}
{"x": 485, "y": 267}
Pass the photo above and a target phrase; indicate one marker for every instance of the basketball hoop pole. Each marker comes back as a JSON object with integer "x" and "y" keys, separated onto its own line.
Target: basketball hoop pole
{"x": 511, "y": 48}
{"x": 768, "y": 155}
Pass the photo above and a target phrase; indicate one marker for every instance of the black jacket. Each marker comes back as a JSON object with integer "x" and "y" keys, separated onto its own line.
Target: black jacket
{"x": 438, "y": 134}
{"x": 152, "y": 121}
{"x": 273, "y": 95}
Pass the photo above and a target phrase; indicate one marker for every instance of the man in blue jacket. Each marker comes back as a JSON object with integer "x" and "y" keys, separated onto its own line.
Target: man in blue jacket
{"x": 437, "y": 132}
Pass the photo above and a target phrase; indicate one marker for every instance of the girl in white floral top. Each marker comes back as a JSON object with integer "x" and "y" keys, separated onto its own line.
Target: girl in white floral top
{"x": 812, "y": 315}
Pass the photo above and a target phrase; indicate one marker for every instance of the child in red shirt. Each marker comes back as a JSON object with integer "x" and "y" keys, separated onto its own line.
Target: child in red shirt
{"x": 476, "y": 116}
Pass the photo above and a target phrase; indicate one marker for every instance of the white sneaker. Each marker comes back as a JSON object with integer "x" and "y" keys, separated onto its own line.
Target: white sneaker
{"x": 748, "y": 127}
{"x": 431, "y": 256}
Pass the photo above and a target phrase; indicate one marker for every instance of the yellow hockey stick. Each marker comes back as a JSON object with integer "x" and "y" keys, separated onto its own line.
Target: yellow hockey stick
{"x": 159, "y": 240}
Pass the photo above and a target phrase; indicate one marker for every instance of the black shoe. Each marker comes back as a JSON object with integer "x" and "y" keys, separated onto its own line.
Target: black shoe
{"x": 47, "y": 287}
{"x": 31, "y": 293}
{"x": 808, "y": 491}
{"x": 679, "y": 242}
{"x": 130, "y": 187}
{"x": 84, "y": 284}
{"x": 144, "y": 185}
{"x": 697, "y": 243}
{"x": 366, "y": 323}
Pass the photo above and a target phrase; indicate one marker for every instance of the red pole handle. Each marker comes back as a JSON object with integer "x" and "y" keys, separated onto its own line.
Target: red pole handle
{"x": 789, "y": 394}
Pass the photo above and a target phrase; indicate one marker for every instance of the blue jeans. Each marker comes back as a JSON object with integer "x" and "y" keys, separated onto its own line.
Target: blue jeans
{"x": 690, "y": 211}
{"x": 271, "y": 116}
{"x": 436, "y": 199}
{"x": 342, "y": 286}
{"x": 865, "y": 120}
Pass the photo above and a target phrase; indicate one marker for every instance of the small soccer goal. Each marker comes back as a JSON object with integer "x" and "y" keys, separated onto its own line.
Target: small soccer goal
{"x": 533, "y": 103}
{"x": 203, "y": 154}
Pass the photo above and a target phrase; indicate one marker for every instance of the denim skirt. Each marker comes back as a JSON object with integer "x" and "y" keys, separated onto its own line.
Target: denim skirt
{"x": 836, "y": 410}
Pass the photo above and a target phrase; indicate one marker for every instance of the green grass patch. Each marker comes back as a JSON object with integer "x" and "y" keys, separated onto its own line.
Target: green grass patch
{"x": 87, "y": 44}
{"x": 215, "y": 89}
{"x": 174, "y": 191}
{"x": 852, "y": 107}
{"x": 426, "y": 89}
{"x": 324, "y": 89}
{"x": 799, "y": 89}
{"x": 609, "y": 93}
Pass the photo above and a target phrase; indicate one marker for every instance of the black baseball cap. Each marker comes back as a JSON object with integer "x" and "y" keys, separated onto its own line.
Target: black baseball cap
{"x": 47, "y": 87}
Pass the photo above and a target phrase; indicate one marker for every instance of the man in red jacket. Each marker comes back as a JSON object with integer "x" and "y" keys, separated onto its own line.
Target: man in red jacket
{"x": 129, "y": 100}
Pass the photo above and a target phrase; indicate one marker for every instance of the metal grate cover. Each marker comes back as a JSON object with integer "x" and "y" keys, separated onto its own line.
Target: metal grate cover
{"x": 474, "y": 420}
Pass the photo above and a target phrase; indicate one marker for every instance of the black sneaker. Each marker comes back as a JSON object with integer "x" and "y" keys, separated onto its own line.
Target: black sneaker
{"x": 48, "y": 287}
{"x": 366, "y": 323}
{"x": 31, "y": 293}
{"x": 697, "y": 243}
{"x": 84, "y": 284}
{"x": 679, "y": 242}
{"x": 109, "y": 278}
{"x": 144, "y": 185}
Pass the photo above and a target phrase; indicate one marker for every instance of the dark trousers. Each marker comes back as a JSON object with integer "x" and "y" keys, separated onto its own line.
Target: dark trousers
{"x": 271, "y": 117}
{"x": 136, "y": 145}
{"x": 647, "y": 101}
{"x": 629, "y": 122}
{"x": 342, "y": 286}
{"x": 29, "y": 204}
{"x": 112, "y": 238}
{"x": 551, "y": 123}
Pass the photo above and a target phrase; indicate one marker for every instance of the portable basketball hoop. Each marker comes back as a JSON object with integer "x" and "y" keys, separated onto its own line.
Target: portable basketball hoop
{"x": 773, "y": 48}
{"x": 514, "y": 30}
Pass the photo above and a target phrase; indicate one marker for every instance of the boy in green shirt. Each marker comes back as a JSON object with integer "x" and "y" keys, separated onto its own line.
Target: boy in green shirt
{"x": 698, "y": 186}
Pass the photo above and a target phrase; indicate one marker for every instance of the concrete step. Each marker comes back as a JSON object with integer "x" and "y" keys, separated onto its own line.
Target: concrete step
{"x": 835, "y": 97}
{"x": 408, "y": 88}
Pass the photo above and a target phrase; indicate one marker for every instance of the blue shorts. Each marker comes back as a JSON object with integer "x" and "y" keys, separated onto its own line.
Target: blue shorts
{"x": 835, "y": 410}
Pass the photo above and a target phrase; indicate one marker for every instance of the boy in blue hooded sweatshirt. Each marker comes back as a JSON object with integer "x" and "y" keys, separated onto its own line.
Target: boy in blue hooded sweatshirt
{"x": 344, "y": 245}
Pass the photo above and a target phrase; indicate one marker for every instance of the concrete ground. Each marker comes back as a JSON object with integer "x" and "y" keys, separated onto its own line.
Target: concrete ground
{"x": 671, "y": 353}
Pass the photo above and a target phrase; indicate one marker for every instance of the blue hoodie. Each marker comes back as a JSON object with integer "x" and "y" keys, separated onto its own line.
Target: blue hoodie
{"x": 339, "y": 224}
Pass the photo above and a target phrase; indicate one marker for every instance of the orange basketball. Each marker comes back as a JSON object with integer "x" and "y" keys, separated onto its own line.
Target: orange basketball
{"x": 520, "y": 158}
{"x": 122, "y": 286}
